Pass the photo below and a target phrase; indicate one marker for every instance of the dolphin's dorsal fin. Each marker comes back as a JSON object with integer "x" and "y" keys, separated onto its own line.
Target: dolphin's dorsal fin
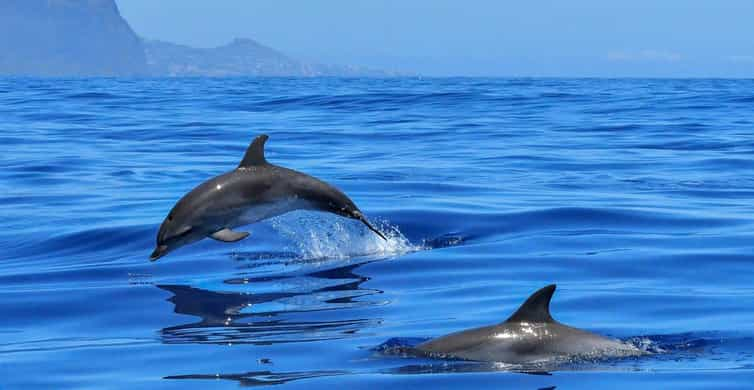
{"x": 536, "y": 308}
{"x": 255, "y": 153}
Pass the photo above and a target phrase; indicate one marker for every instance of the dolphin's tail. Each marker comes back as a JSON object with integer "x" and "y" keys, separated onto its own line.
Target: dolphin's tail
{"x": 364, "y": 220}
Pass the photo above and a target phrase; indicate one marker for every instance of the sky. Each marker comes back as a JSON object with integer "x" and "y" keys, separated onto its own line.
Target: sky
{"x": 565, "y": 38}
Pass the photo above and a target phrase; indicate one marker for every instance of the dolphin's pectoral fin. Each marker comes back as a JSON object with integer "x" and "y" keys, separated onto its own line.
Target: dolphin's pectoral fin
{"x": 255, "y": 153}
{"x": 227, "y": 235}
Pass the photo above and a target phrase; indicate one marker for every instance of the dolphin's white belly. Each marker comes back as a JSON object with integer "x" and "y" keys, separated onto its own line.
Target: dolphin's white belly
{"x": 263, "y": 211}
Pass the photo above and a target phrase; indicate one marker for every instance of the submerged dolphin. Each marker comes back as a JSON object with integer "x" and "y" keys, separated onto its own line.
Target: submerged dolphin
{"x": 530, "y": 335}
{"x": 254, "y": 191}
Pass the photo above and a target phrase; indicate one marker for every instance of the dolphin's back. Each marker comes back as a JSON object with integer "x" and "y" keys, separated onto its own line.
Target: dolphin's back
{"x": 272, "y": 183}
{"x": 529, "y": 335}
{"x": 257, "y": 190}
{"x": 245, "y": 196}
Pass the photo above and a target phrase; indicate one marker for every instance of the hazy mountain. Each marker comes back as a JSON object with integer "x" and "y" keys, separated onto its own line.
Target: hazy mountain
{"x": 242, "y": 57}
{"x": 90, "y": 38}
{"x": 67, "y": 38}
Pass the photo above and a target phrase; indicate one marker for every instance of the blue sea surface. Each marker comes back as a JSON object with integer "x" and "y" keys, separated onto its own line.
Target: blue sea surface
{"x": 635, "y": 196}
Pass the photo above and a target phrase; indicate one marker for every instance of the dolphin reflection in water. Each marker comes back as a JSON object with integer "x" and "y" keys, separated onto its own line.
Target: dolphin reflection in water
{"x": 237, "y": 314}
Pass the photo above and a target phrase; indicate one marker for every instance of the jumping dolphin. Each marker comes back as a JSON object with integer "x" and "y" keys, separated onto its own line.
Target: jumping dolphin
{"x": 254, "y": 191}
{"x": 530, "y": 335}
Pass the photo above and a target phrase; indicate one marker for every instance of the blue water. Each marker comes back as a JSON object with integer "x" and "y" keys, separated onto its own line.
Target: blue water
{"x": 635, "y": 196}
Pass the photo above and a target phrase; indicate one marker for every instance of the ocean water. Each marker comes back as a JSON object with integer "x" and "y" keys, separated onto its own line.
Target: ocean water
{"x": 635, "y": 196}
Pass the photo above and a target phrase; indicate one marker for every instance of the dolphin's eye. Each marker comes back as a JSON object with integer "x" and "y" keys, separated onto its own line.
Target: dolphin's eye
{"x": 170, "y": 218}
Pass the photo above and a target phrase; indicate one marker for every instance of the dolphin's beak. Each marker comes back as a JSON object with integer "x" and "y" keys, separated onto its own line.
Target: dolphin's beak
{"x": 358, "y": 215}
{"x": 158, "y": 252}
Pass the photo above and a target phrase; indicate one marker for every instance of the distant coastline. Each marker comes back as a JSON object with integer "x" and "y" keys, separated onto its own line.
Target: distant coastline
{"x": 62, "y": 38}
{"x": 241, "y": 57}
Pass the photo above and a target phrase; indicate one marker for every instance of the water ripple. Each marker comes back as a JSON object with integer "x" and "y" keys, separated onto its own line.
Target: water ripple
{"x": 634, "y": 195}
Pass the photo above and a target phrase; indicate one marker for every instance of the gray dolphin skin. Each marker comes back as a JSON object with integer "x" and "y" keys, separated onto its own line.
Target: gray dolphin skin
{"x": 254, "y": 191}
{"x": 530, "y": 335}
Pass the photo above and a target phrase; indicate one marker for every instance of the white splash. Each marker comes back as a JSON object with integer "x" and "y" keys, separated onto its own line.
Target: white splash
{"x": 322, "y": 236}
